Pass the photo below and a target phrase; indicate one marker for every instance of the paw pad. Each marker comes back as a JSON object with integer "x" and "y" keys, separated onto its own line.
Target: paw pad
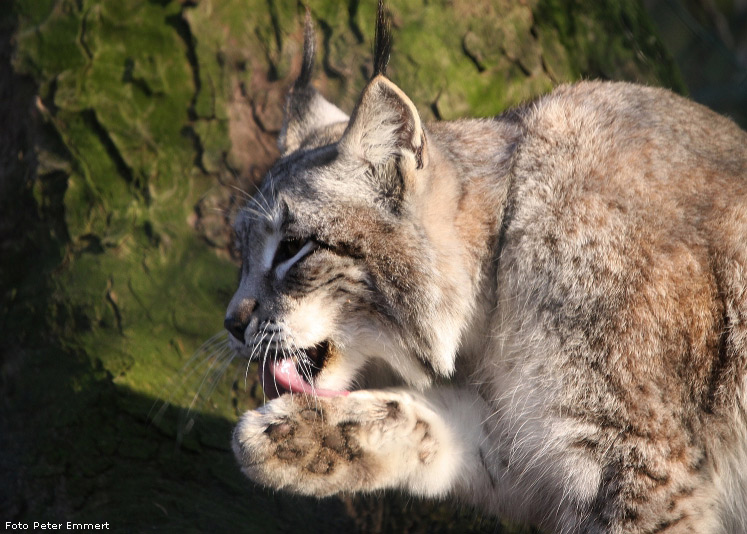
{"x": 323, "y": 463}
{"x": 392, "y": 410}
{"x": 335, "y": 441}
{"x": 311, "y": 415}
{"x": 279, "y": 431}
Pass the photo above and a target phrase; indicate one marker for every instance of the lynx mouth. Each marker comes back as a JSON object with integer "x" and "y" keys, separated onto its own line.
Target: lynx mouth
{"x": 282, "y": 375}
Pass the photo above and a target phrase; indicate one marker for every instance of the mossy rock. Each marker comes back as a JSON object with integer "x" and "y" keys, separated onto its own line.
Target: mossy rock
{"x": 134, "y": 129}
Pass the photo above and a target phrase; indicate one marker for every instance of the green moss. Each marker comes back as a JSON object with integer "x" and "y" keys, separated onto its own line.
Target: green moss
{"x": 606, "y": 40}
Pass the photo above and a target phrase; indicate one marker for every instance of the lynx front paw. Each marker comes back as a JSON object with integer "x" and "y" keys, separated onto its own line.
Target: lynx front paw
{"x": 320, "y": 446}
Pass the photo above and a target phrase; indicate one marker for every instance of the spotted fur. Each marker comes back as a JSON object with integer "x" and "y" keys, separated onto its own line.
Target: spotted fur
{"x": 556, "y": 298}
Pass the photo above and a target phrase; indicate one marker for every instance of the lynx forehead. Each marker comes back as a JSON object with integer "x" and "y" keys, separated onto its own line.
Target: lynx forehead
{"x": 543, "y": 314}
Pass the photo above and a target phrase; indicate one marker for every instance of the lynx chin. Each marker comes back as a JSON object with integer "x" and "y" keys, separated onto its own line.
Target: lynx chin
{"x": 542, "y": 314}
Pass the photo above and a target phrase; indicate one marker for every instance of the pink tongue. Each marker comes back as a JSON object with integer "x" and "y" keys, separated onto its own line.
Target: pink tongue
{"x": 282, "y": 376}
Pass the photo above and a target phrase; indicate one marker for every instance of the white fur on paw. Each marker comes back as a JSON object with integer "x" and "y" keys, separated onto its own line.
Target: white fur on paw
{"x": 321, "y": 446}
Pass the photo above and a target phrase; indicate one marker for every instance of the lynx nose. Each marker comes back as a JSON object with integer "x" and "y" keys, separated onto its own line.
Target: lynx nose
{"x": 237, "y": 319}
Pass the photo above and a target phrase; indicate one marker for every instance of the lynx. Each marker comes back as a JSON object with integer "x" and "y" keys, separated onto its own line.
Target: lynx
{"x": 542, "y": 314}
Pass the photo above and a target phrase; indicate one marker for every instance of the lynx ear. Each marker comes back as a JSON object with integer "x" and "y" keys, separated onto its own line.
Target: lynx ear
{"x": 385, "y": 125}
{"x": 305, "y": 109}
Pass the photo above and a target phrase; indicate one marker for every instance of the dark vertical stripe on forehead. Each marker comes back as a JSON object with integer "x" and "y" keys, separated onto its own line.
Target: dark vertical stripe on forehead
{"x": 290, "y": 173}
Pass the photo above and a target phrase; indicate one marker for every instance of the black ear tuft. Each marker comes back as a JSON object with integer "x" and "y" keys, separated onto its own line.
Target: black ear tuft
{"x": 306, "y": 111}
{"x": 309, "y": 49}
{"x": 382, "y": 41}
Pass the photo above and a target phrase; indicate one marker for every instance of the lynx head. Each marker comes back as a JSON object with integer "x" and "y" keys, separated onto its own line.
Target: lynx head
{"x": 349, "y": 253}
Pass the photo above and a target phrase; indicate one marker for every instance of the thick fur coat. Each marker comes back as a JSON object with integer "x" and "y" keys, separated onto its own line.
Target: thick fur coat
{"x": 543, "y": 314}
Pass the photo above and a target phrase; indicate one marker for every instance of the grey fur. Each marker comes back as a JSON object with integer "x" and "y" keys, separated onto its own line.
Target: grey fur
{"x": 562, "y": 289}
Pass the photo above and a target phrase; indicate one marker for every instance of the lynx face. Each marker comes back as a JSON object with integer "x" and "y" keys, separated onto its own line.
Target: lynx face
{"x": 341, "y": 263}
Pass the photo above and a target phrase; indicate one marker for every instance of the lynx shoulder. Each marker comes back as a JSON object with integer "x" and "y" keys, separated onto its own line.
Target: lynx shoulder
{"x": 542, "y": 314}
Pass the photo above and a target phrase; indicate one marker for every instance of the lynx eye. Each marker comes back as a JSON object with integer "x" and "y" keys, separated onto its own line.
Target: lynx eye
{"x": 289, "y": 252}
{"x": 288, "y": 247}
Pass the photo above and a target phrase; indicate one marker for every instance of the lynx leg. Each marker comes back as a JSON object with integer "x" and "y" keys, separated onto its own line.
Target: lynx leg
{"x": 364, "y": 441}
